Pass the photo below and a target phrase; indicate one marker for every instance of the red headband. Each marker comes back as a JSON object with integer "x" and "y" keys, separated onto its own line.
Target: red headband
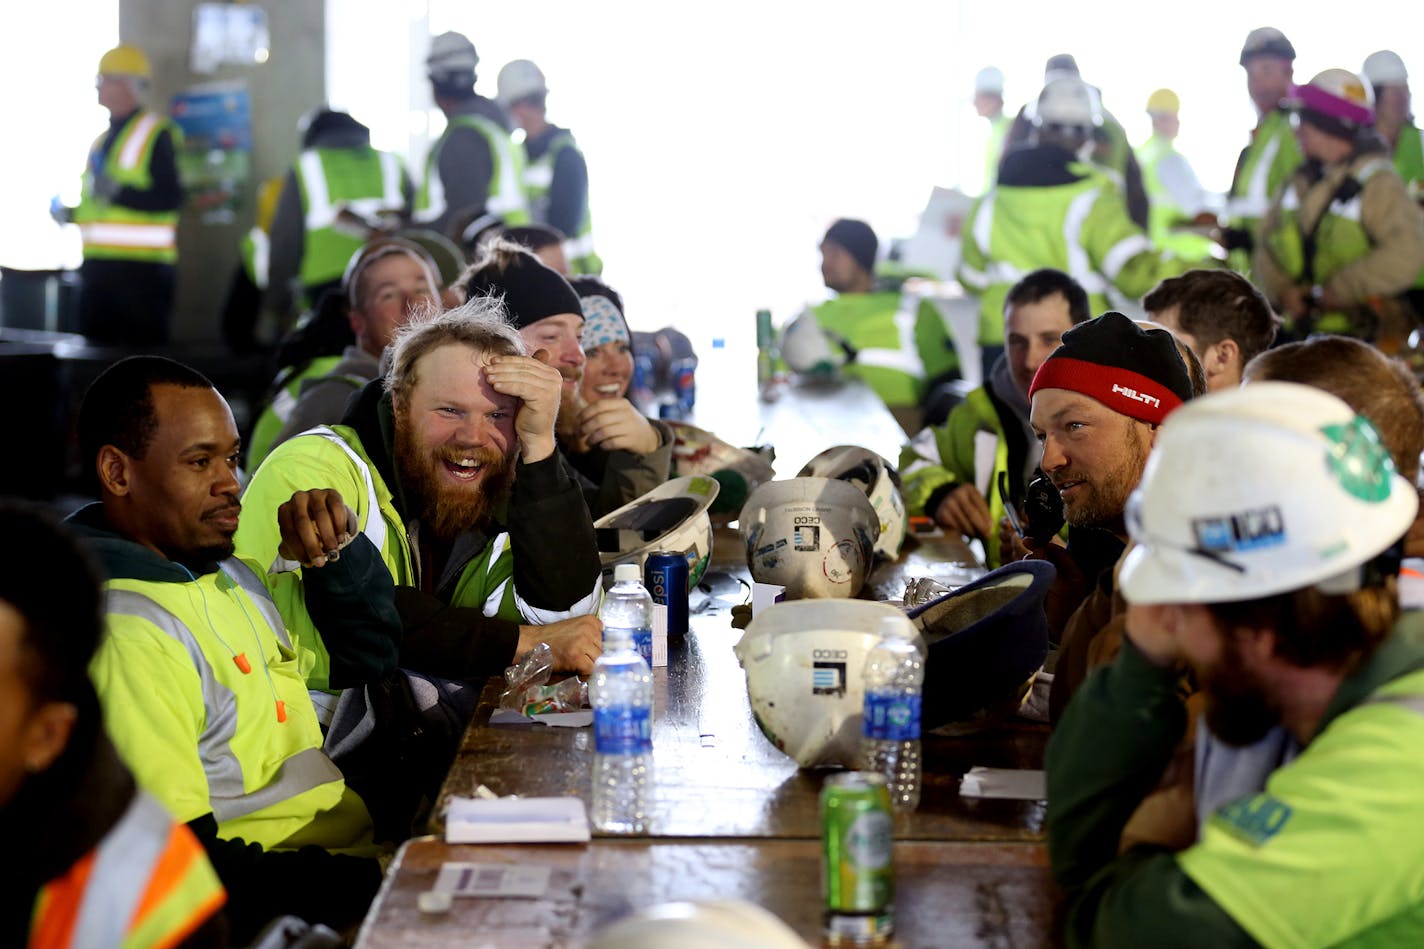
{"x": 1122, "y": 390}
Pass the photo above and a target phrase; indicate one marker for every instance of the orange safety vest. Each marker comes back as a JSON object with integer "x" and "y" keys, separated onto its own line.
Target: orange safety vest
{"x": 147, "y": 884}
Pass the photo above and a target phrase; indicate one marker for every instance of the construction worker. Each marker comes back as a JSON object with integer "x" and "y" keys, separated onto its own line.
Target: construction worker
{"x": 989, "y": 103}
{"x": 203, "y": 689}
{"x": 1266, "y": 163}
{"x": 1174, "y": 194}
{"x": 102, "y": 862}
{"x": 555, "y": 173}
{"x": 1051, "y": 208}
{"x": 338, "y": 188}
{"x": 1394, "y": 120}
{"x": 1220, "y": 316}
{"x": 128, "y": 211}
{"x": 1342, "y": 241}
{"x": 242, "y": 310}
{"x": 474, "y": 168}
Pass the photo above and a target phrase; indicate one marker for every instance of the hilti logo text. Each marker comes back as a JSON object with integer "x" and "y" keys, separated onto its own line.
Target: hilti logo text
{"x": 1142, "y": 397}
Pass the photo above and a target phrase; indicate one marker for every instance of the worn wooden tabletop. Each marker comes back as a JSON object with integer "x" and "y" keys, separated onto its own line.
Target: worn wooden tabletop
{"x": 946, "y": 894}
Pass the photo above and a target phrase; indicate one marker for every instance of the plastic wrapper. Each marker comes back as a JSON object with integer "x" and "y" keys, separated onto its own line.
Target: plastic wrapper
{"x": 529, "y": 692}
{"x": 568, "y": 695}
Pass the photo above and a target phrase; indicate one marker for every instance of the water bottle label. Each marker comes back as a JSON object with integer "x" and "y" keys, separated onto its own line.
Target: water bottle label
{"x": 890, "y": 717}
{"x": 642, "y": 641}
{"x": 623, "y": 730}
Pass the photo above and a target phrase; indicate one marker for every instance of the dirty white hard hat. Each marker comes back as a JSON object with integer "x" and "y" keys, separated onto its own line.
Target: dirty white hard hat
{"x": 519, "y": 79}
{"x": 814, "y": 536}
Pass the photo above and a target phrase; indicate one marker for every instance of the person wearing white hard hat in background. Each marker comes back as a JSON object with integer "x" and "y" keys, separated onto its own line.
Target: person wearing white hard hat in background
{"x": 989, "y": 104}
{"x": 1262, "y": 565}
{"x": 1175, "y": 194}
{"x": 1220, "y": 316}
{"x": 128, "y": 211}
{"x": 555, "y": 173}
{"x": 337, "y": 171}
{"x": 474, "y": 168}
{"x": 1342, "y": 242}
{"x": 1394, "y": 119}
{"x": 939, "y": 466}
{"x": 1052, "y": 208}
{"x": 1265, "y": 163}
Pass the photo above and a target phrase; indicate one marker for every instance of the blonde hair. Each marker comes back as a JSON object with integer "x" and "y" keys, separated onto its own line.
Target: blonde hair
{"x": 482, "y": 323}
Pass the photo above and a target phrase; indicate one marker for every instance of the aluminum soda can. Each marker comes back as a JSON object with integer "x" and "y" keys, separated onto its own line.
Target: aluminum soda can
{"x": 665, "y": 575}
{"x": 684, "y": 384}
{"x": 857, "y": 872}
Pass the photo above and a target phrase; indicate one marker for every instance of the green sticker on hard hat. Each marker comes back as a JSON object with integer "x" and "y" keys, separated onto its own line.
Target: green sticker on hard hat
{"x": 1359, "y": 460}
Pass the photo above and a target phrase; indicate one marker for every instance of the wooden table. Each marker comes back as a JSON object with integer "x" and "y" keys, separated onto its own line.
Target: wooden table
{"x": 946, "y": 894}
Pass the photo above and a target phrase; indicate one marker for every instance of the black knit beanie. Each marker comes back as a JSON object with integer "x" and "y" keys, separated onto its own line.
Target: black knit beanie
{"x": 857, "y": 238}
{"x": 531, "y": 291}
{"x": 1135, "y": 372}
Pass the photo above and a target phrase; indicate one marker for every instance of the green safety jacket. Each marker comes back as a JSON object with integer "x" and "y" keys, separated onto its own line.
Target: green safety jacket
{"x": 1328, "y": 854}
{"x": 114, "y": 232}
{"x": 896, "y": 352}
{"x": 365, "y": 180}
{"x": 999, "y": 127}
{"x": 1368, "y": 240}
{"x": 205, "y": 699}
{"x": 506, "y": 194}
{"x": 538, "y": 177}
{"x": 1163, "y": 211}
{"x": 274, "y": 415}
{"x": 1261, "y": 173}
{"x": 1080, "y": 227}
{"x": 1409, "y": 157}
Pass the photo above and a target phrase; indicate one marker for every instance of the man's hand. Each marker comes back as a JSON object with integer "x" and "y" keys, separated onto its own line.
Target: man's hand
{"x": 314, "y": 526}
{"x": 965, "y": 510}
{"x": 613, "y": 424}
{"x": 1012, "y": 547}
{"x": 1153, "y": 630}
{"x": 576, "y": 642}
{"x": 538, "y": 386}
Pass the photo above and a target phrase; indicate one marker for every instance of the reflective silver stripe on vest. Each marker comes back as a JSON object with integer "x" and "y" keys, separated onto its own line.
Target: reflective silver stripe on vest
{"x": 1078, "y": 266}
{"x": 120, "y": 875}
{"x": 375, "y": 529}
{"x": 1257, "y": 199}
{"x": 540, "y": 175}
{"x": 320, "y": 213}
{"x": 137, "y": 140}
{"x": 576, "y": 247}
{"x": 1415, "y": 703}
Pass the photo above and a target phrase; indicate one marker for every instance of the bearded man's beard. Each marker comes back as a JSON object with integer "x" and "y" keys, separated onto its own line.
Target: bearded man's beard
{"x": 1237, "y": 708}
{"x": 450, "y": 509}
{"x": 566, "y": 425}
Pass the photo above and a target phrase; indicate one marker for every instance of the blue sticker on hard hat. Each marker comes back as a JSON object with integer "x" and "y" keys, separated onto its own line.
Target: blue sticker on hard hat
{"x": 1241, "y": 530}
{"x": 1358, "y": 460}
{"x": 828, "y": 678}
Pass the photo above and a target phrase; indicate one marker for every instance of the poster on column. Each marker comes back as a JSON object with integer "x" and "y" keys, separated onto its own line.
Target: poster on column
{"x": 216, "y": 159}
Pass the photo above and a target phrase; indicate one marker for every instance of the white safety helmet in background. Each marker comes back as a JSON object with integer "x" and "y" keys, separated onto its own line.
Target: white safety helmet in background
{"x": 989, "y": 81}
{"x": 1262, "y": 490}
{"x": 1067, "y": 101}
{"x": 808, "y": 348}
{"x": 814, "y": 536}
{"x": 451, "y": 53}
{"x": 1337, "y": 95}
{"x": 671, "y": 517}
{"x": 879, "y": 480}
{"x": 803, "y": 661}
{"x": 1385, "y": 68}
{"x": 519, "y": 79}
{"x": 704, "y": 924}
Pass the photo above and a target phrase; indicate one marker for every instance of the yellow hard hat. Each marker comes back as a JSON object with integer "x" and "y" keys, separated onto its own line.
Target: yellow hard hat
{"x": 124, "y": 60}
{"x": 1164, "y": 102}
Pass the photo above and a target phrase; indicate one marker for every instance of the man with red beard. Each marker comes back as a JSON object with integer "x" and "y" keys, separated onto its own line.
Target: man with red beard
{"x": 450, "y": 468}
{"x": 1266, "y": 539}
{"x": 634, "y": 453}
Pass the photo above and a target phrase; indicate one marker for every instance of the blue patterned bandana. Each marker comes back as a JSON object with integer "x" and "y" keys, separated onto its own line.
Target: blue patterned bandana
{"x": 602, "y": 323}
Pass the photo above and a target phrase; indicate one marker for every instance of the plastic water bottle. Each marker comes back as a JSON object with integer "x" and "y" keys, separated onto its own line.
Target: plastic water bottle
{"x": 628, "y": 606}
{"x": 621, "y": 694}
{"x": 894, "y": 679}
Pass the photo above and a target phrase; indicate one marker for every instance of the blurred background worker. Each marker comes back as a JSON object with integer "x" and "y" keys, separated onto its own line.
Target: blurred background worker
{"x": 475, "y": 167}
{"x": 128, "y": 211}
{"x": 1265, "y": 164}
{"x": 1342, "y": 242}
{"x": 1394, "y": 120}
{"x": 1174, "y": 193}
{"x": 989, "y": 103}
{"x": 555, "y": 173}
{"x": 338, "y": 190}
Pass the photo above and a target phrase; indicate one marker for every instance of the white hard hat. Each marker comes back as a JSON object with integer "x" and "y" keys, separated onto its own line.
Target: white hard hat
{"x": 451, "y": 52}
{"x": 1266, "y": 489}
{"x": 1385, "y": 68}
{"x": 989, "y": 80}
{"x": 807, "y": 348}
{"x": 814, "y": 536}
{"x": 1338, "y": 95}
{"x": 705, "y": 924}
{"x": 876, "y": 477}
{"x": 672, "y": 517}
{"x": 803, "y": 661}
{"x": 519, "y": 79}
{"x": 1068, "y": 101}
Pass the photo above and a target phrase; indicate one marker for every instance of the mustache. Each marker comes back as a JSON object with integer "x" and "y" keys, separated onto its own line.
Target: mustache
{"x": 1063, "y": 477}
{"x": 573, "y": 373}
{"x": 233, "y": 508}
{"x": 481, "y": 455}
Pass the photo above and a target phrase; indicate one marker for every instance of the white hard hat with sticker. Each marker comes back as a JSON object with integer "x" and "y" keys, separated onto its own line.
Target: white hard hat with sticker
{"x": 873, "y": 475}
{"x": 671, "y": 517}
{"x": 814, "y": 536}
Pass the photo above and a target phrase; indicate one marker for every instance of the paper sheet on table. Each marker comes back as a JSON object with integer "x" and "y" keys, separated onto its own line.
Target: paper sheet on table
{"x": 986, "y": 450}
{"x": 516, "y": 820}
{"x": 498, "y": 880}
{"x": 766, "y": 594}
{"x": 1009, "y": 783}
{"x": 580, "y": 719}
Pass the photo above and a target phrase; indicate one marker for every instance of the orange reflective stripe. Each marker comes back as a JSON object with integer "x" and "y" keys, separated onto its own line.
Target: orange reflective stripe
{"x": 57, "y": 909}
{"x": 167, "y": 885}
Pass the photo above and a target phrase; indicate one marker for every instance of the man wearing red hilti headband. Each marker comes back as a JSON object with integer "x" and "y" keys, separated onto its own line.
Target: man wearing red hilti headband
{"x": 1096, "y": 404}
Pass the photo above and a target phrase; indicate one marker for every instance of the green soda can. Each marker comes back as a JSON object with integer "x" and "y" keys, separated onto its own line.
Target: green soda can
{"x": 857, "y": 874}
